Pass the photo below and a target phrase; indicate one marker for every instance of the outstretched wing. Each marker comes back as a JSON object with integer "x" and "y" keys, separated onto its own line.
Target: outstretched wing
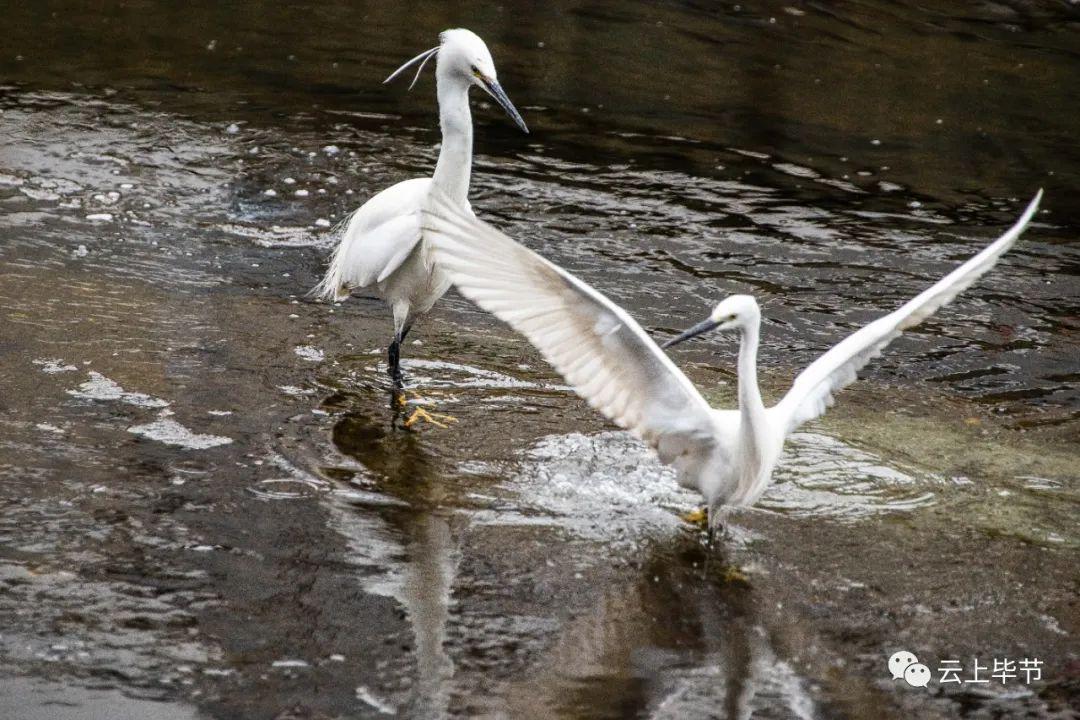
{"x": 600, "y": 350}
{"x": 811, "y": 393}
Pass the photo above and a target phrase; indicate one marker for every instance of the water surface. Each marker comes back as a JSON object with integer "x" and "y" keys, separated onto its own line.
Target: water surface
{"x": 207, "y": 507}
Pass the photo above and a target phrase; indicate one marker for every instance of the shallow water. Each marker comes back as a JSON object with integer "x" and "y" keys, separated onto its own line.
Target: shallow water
{"x": 207, "y": 510}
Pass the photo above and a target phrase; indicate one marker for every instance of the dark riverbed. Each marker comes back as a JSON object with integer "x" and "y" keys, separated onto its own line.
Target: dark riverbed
{"x": 205, "y": 508}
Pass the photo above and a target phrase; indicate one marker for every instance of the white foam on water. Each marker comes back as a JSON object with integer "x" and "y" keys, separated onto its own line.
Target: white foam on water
{"x": 611, "y": 485}
{"x": 54, "y": 365}
{"x": 295, "y": 391}
{"x": 168, "y": 431}
{"x": 99, "y": 387}
{"x": 594, "y": 486}
{"x": 309, "y": 353}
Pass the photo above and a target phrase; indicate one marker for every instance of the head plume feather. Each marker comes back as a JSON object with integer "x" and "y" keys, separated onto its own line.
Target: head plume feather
{"x": 422, "y": 58}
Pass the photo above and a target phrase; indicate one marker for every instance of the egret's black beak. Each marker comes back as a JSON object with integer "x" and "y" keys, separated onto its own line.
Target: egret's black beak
{"x": 495, "y": 90}
{"x": 702, "y": 327}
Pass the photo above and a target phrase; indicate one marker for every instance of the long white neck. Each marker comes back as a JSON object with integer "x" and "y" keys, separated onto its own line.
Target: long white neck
{"x": 454, "y": 167}
{"x": 751, "y": 408}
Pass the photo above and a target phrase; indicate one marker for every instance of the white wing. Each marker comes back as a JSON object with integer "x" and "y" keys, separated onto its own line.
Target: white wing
{"x": 600, "y": 350}
{"x": 377, "y": 239}
{"x": 811, "y": 393}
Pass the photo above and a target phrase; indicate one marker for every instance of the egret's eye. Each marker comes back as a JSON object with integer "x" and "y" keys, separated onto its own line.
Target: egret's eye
{"x": 475, "y": 70}
{"x": 731, "y": 317}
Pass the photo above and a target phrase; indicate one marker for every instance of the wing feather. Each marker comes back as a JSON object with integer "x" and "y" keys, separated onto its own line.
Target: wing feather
{"x": 592, "y": 342}
{"x": 811, "y": 393}
{"x": 377, "y": 239}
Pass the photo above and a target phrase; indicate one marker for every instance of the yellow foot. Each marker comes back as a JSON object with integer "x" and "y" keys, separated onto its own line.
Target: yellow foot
{"x": 734, "y": 574}
{"x": 697, "y": 517}
{"x": 399, "y": 398}
{"x": 437, "y": 419}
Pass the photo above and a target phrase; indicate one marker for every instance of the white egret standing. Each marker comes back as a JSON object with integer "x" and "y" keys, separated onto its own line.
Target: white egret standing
{"x": 727, "y": 455}
{"x": 383, "y": 246}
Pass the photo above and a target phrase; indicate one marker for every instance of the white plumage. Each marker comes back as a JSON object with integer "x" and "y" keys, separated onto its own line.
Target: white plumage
{"x": 727, "y": 455}
{"x": 382, "y": 247}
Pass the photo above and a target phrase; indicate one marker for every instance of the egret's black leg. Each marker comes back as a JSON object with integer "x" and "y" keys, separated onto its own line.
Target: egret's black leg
{"x": 393, "y": 363}
{"x": 393, "y": 358}
{"x": 715, "y": 526}
{"x": 419, "y": 413}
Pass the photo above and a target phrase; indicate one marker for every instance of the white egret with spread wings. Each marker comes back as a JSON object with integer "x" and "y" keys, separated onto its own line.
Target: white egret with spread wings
{"x": 383, "y": 246}
{"x": 726, "y": 455}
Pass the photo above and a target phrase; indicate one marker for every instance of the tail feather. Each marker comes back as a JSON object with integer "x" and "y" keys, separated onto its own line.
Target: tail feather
{"x": 333, "y": 287}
